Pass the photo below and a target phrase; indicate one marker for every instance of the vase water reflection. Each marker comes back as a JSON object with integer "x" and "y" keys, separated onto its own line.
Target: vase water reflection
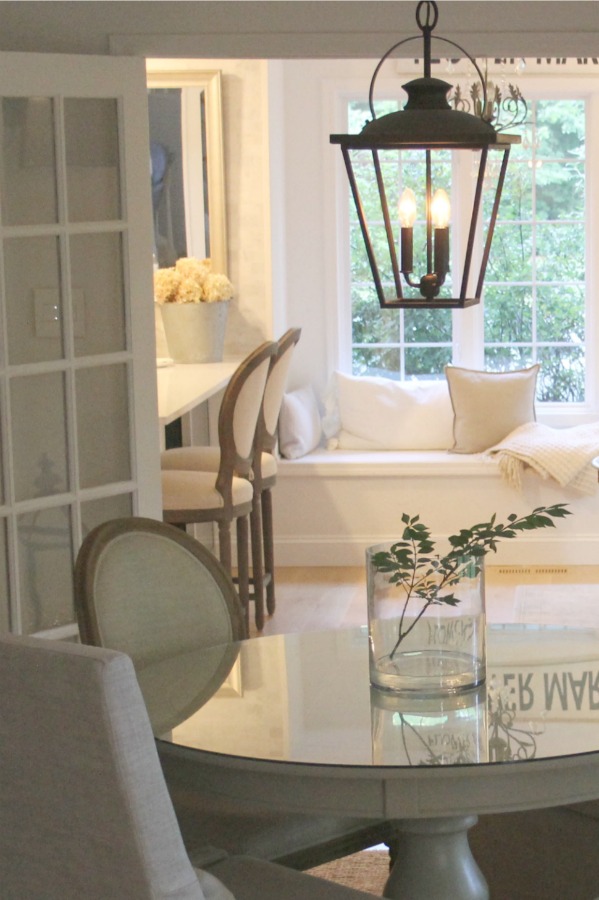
{"x": 438, "y": 731}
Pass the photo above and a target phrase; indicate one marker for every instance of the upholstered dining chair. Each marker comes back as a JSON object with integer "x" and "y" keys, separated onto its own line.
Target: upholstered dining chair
{"x": 226, "y": 494}
{"x": 150, "y": 590}
{"x": 264, "y": 472}
{"x": 84, "y": 806}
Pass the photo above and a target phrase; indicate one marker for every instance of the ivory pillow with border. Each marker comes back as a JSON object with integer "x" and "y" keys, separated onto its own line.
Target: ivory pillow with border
{"x": 378, "y": 413}
{"x": 487, "y": 406}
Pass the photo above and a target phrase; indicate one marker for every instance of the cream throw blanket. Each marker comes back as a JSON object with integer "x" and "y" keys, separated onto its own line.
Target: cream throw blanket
{"x": 563, "y": 454}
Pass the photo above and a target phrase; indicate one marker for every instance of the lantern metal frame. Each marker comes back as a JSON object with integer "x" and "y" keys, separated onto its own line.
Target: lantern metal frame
{"x": 427, "y": 123}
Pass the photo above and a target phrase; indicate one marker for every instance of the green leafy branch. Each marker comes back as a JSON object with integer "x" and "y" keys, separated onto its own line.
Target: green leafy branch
{"x": 412, "y": 564}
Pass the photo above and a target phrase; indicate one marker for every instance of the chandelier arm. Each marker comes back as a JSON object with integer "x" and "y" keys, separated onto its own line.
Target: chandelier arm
{"x": 416, "y": 37}
{"x": 383, "y": 59}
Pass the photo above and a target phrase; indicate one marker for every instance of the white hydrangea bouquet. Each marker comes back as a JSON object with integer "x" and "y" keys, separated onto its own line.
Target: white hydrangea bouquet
{"x": 191, "y": 280}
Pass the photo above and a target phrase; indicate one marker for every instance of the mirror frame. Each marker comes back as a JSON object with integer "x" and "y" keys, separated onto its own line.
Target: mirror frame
{"x": 159, "y": 74}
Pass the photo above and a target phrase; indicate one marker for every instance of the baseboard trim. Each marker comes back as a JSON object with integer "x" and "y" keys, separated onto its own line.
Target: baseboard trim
{"x": 341, "y": 550}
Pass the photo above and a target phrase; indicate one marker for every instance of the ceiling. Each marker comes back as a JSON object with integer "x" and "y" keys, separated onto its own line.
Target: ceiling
{"x": 295, "y": 28}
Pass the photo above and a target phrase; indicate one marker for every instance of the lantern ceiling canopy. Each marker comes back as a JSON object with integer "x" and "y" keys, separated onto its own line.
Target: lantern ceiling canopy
{"x": 399, "y": 149}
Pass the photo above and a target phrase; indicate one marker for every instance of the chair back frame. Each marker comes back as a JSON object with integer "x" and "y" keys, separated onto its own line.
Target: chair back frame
{"x": 246, "y": 386}
{"x": 266, "y": 431}
{"x": 94, "y": 546}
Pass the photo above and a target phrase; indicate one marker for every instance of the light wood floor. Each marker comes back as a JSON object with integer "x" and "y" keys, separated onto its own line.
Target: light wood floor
{"x": 313, "y": 599}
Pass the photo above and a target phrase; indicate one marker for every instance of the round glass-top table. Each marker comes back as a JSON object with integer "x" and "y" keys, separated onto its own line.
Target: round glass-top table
{"x": 292, "y": 722}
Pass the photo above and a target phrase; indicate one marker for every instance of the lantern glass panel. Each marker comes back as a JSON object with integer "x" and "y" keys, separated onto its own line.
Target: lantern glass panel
{"x": 360, "y": 268}
{"x": 517, "y": 195}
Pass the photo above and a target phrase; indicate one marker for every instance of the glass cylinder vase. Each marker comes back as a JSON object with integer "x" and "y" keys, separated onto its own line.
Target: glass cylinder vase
{"x": 425, "y": 642}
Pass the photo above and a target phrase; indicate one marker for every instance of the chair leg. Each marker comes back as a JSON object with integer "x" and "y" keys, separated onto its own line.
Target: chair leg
{"x": 224, "y": 544}
{"x": 257, "y": 562}
{"x": 269, "y": 554}
{"x": 243, "y": 565}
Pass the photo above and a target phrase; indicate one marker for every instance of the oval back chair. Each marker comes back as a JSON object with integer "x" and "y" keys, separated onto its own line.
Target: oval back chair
{"x": 225, "y": 494}
{"x": 264, "y": 473}
{"x": 153, "y": 592}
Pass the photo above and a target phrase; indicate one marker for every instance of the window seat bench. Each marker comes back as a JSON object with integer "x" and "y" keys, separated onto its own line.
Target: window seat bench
{"x": 331, "y": 504}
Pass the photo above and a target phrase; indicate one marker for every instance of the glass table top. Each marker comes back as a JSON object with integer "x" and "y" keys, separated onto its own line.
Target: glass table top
{"x": 306, "y": 698}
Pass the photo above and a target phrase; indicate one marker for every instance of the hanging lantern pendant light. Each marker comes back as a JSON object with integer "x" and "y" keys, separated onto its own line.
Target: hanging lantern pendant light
{"x": 426, "y": 123}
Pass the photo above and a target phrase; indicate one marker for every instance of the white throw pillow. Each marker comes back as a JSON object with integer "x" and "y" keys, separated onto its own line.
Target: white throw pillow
{"x": 300, "y": 427}
{"x": 382, "y": 414}
{"x": 489, "y": 405}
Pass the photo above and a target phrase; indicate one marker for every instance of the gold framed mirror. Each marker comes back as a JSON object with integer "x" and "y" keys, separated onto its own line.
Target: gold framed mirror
{"x": 188, "y": 174}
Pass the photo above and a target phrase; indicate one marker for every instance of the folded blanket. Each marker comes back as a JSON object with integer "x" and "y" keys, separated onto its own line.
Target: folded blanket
{"x": 564, "y": 454}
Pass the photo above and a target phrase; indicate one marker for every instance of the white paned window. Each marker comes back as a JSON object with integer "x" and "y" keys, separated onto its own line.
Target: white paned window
{"x": 540, "y": 279}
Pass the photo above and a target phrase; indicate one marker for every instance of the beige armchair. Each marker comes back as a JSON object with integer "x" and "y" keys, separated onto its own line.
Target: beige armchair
{"x": 85, "y": 811}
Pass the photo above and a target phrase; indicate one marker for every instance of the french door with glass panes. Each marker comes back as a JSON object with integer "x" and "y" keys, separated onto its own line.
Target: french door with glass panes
{"x": 78, "y": 420}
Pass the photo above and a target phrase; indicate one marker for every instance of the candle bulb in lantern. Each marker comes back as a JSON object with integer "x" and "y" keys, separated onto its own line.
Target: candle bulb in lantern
{"x": 440, "y": 211}
{"x": 407, "y": 217}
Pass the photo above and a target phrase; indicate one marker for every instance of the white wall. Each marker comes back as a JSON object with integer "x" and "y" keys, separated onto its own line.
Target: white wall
{"x": 304, "y": 185}
{"x": 244, "y": 85}
{"x": 246, "y": 143}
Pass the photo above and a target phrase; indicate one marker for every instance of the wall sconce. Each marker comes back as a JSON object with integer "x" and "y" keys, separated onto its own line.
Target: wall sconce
{"x": 386, "y": 152}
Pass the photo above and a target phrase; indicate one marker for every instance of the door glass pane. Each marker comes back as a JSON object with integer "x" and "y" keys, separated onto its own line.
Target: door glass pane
{"x": 28, "y": 161}
{"x": 94, "y": 512}
{"x": 39, "y": 435}
{"x": 4, "y": 612}
{"x": 45, "y": 568}
{"x": 33, "y": 300}
{"x": 92, "y": 152}
{"x": 98, "y": 293}
{"x": 103, "y": 425}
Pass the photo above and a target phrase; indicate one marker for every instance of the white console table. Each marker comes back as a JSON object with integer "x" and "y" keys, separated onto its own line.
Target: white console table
{"x": 184, "y": 387}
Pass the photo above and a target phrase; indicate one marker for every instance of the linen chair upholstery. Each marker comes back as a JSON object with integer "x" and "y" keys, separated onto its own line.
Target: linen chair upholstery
{"x": 152, "y": 591}
{"x": 85, "y": 809}
{"x": 264, "y": 471}
{"x": 226, "y": 494}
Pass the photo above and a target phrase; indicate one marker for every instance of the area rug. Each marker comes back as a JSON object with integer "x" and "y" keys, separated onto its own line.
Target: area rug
{"x": 558, "y": 604}
{"x": 365, "y": 871}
